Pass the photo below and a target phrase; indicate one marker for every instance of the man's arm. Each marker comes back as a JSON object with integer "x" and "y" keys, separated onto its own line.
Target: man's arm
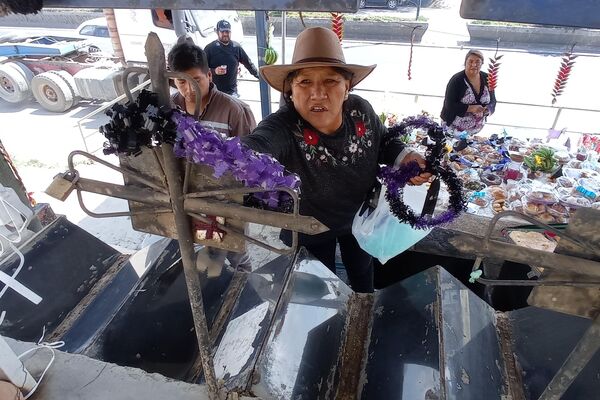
{"x": 242, "y": 122}
{"x": 244, "y": 59}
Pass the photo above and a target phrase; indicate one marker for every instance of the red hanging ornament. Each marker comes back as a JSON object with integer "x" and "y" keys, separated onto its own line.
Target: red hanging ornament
{"x": 493, "y": 67}
{"x": 337, "y": 25}
{"x": 568, "y": 60}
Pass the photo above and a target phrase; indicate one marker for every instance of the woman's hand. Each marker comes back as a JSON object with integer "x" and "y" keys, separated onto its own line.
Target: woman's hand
{"x": 423, "y": 177}
{"x": 476, "y": 109}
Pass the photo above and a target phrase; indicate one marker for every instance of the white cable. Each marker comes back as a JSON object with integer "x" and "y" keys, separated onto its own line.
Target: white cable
{"x": 20, "y": 226}
{"x": 42, "y": 345}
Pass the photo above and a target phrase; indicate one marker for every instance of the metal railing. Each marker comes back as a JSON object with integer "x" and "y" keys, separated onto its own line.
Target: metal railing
{"x": 416, "y": 96}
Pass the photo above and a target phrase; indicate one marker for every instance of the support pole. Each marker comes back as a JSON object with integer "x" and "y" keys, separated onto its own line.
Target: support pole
{"x": 283, "y": 35}
{"x": 160, "y": 84}
{"x": 262, "y": 27}
{"x": 179, "y": 22}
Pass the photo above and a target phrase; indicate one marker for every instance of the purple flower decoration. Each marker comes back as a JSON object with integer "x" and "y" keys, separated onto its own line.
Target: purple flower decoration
{"x": 202, "y": 145}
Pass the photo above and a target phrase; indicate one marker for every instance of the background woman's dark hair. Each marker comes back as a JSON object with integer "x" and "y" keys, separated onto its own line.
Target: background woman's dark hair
{"x": 185, "y": 56}
{"x": 287, "y": 83}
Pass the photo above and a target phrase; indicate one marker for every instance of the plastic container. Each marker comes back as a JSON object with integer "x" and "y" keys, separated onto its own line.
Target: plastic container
{"x": 565, "y": 182}
{"x": 490, "y": 179}
{"x": 575, "y": 202}
{"x": 474, "y": 185}
{"x": 542, "y": 196}
{"x": 532, "y": 208}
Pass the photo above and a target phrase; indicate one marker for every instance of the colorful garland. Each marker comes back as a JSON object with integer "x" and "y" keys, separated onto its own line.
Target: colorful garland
{"x": 142, "y": 124}
{"x": 202, "y": 145}
{"x": 397, "y": 178}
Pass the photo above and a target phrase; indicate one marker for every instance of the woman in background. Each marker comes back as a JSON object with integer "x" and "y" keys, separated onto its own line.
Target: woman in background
{"x": 468, "y": 99}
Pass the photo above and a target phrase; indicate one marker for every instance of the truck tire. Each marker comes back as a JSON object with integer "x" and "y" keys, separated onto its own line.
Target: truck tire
{"x": 14, "y": 87}
{"x": 70, "y": 81}
{"x": 51, "y": 91}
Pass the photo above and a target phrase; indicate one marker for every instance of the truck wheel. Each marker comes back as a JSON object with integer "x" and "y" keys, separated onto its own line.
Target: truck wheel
{"x": 14, "y": 86}
{"x": 70, "y": 81}
{"x": 51, "y": 91}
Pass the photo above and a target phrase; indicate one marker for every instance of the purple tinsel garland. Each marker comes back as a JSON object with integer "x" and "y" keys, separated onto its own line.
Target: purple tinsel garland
{"x": 397, "y": 178}
{"x": 202, "y": 145}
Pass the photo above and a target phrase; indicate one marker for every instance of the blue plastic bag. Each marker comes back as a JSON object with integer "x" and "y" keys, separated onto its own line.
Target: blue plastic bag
{"x": 379, "y": 233}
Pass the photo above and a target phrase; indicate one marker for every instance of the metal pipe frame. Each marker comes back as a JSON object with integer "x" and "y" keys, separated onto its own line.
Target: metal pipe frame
{"x": 160, "y": 85}
{"x": 583, "y": 352}
{"x": 496, "y": 249}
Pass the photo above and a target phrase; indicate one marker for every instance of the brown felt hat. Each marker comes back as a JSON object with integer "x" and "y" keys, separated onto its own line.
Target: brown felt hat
{"x": 315, "y": 47}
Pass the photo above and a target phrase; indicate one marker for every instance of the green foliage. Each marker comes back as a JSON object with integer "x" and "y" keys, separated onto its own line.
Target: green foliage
{"x": 541, "y": 160}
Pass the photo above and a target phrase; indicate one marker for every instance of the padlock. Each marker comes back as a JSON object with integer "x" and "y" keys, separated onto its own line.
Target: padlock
{"x": 62, "y": 185}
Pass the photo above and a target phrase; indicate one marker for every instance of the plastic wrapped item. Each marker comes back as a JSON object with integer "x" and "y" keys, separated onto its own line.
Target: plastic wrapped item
{"x": 497, "y": 193}
{"x": 565, "y": 182}
{"x": 532, "y": 208}
{"x": 575, "y": 164}
{"x": 500, "y": 205}
{"x": 542, "y": 196}
{"x": 474, "y": 185}
{"x": 512, "y": 171}
{"x": 546, "y": 218}
{"x": 517, "y": 157}
{"x": 562, "y": 157}
{"x": 516, "y": 205}
{"x": 490, "y": 179}
{"x": 468, "y": 174}
{"x": 589, "y": 173}
{"x": 575, "y": 202}
{"x": 596, "y": 205}
{"x": 558, "y": 210}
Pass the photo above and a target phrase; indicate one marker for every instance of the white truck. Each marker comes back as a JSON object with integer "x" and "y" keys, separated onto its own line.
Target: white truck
{"x": 59, "y": 71}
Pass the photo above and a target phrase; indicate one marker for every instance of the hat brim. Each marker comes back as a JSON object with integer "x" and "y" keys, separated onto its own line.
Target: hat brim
{"x": 275, "y": 75}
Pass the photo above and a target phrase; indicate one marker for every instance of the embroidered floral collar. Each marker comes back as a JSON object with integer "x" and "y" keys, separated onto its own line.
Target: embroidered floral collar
{"x": 357, "y": 142}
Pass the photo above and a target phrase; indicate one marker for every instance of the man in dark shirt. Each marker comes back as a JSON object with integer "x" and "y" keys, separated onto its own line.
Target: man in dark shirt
{"x": 224, "y": 56}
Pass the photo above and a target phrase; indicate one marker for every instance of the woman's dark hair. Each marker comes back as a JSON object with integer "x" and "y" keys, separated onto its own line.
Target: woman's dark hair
{"x": 287, "y": 83}
{"x": 185, "y": 56}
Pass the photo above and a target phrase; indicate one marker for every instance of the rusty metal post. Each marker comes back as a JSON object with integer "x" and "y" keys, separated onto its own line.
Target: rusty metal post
{"x": 157, "y": 66}
{"x": 113, "y": 32}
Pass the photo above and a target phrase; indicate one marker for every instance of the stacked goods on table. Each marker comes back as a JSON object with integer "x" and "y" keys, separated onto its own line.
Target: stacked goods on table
{"x": 502, "y": 173}
{"x": 528, "y": 177}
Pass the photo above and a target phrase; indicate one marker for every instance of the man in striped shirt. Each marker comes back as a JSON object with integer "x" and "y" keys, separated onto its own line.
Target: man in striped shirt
{"x": 227, "y": 115}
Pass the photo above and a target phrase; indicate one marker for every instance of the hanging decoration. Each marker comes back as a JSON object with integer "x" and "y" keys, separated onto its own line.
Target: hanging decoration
{"x": 410, "y": 57}
{"x": 140, "y": 124}
{"x": 493, "y": 67}
{"x": 568, "y": 60}
{"x": 136, "y": 125}
{"x": 337, "y": 25}
{"x": 397, "y": 178}
{"x": 270, "y": 56}
{"x": 20, "y": 7}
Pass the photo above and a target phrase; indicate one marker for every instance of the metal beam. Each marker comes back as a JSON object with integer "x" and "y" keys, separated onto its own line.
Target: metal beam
{"x": 262, "y": 31}
{"x": 570, "y": 13}
{"x": 265, "y": 5}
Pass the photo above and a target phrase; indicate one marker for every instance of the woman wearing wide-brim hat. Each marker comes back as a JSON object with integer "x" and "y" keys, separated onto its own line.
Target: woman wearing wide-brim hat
{"x": 333, "y": 140}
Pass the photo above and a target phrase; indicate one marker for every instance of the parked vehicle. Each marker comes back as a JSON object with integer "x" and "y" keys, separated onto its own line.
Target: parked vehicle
{"x": 393, "y": 4}
{"x": 60, "y": 71}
